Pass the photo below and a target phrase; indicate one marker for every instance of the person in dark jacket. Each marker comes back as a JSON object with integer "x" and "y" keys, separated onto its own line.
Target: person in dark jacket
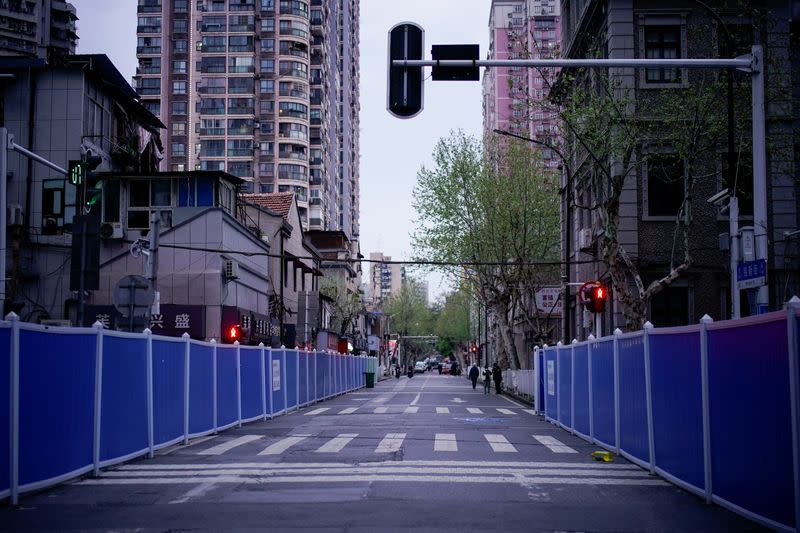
{"x": 497, "y": 374}
{"x": 487, "y": 380}
{"x": 473, "y": 375}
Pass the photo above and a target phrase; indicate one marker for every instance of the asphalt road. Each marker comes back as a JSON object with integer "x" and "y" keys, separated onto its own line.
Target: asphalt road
{"x": 427, "y": 453}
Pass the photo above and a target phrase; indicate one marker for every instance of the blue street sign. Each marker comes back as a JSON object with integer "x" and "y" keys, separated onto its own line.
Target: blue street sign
{"x": 751, "y": 274}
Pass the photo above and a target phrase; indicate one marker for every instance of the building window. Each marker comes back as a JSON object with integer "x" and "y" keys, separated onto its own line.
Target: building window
{"x": 178, "y": 128}
{"x": 296, "y": 89}
{"x": 267, "y": 46}
{"x": 150, "y": 65}
{"x": 180, "y": 25}
{"x": 212, "y": 44}
{"x": 290, "y": 130}
{"x": 268, "y": 25}
{"x": 241, "y": 85}
{"x": 212, "y": 86}
{"x": 212, "y": 126}
{"x": 665, "y": 185}
{"x": 148, "y": 45}
{"x": 241, "y": 64}
{"x": 149, "y": 86}
{"x": 294, "y": 68}
{"x": 266, "y": 86}
{"x": 240, "y": 148}
{"x": 58, "y": 206}
{"x": 240, "y": 126}
{"x": 144, "y": 194}
{"x": 241, "y": 106}
{"x": 178, "y": 87}
{"x": 267, "y": 66}
{"x": 181, "y": 45}
{"x": 240, "y": 43}
{"x": 179, "y": 6}
{"x": 212, "y": 148}
{"x": 214, "y": 24}
{"x": 241, "y": 169}
{"x": 212, "y": 65}
{"x": 243, "y": 23}
{"x": 287, "y": 171}
{"x": 153, "y": 106}
{"x": 212, "y": 106}
{"x": 178, "y": 149}
{"x": 662, "y": 42}
{"x": 179, "y": 108}
{"x": 179, "y": 67}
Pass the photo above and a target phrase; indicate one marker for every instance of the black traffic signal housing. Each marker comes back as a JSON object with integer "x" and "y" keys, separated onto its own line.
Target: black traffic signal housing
{"x": 93, "y": 183}
{"x": 405, "y": 90}
{"x": 593, "y": 296}
{"x": 77, "y": 172}
{"x": 232, "y": 334}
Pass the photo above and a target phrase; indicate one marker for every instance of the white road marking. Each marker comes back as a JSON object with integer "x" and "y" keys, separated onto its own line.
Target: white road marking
{"x": 529, "y": 411}
{"x": 474, "y": 410}
{"x": 380, "y": 410}
{"x": 199, "y": 490}
{"x": 416, "y": 399}
{"x": 225, "y": 446}
{"x": 360, "y": 399}
{"x": 380, "y": 400}
{"x": 509, "y": 479}
{"x": 458, "y": 400}
{"x": 499, "y": 443}
{"x": 337, "y": 443}
{"x": 167, "y": 451}
{"x": 282, "y": 445}
{"x": 391, "y": 443}
{"x": 366, "y": 469}
{"x": 418, "y": 463}
{"x": 445, "y": 442}
{"x": 317, "y": 411}
{"x": 348, "y": 410}
{"x": 553, "y": 444}
{"x": 412, "y": 409}
{"x": 505, "y": 411}
{"x": 442, "y": 410}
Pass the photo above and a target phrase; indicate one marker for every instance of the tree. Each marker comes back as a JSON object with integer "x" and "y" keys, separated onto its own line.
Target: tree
{"x": 452, "y": 322}
{"x": 347, "y": 305}
{"x": 410, "y": 315}
{"x": 493, "y": 211}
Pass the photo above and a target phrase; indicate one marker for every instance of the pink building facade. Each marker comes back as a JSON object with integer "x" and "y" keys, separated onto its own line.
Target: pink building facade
{"x": 522, "y": 29}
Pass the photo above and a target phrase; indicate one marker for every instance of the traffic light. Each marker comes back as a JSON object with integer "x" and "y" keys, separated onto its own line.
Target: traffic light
{"x": 405, "y": 91}
{"x": 593, "y": 296}
{"x": 93, "y": 183}
{"x": 77, "y": 171}
{"x": 474, "y": 348}
{"x": 232, "y": 334}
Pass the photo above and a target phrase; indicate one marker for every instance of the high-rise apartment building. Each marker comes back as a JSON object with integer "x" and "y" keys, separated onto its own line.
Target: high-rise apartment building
{"x": 37, "y": 28}
{"x": 266, "y": 90}
{"x": 385, "y": 278}
{"x": 522, "y": 29}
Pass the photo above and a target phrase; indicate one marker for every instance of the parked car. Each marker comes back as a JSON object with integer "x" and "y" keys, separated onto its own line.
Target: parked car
{"x": 420, "y": 366}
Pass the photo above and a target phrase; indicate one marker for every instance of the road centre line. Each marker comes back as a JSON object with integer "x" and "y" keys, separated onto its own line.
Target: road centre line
{"x": 337, "y": 443}
{"x": 519, "y": 480}
{"x": 376, "y": 470}
{"x": 553, "y": 444}
{"x": 282, "y": 445}
{"x": 225, "y": 446}
{"x": 416, "y": 399}
{"x": 445, "y": 442}
{"x": 392, "y": 442}
{"x": 442, "y": 463}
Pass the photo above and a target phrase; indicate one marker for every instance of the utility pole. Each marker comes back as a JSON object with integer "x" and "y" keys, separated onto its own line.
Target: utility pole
{"x": 152, "y": 260}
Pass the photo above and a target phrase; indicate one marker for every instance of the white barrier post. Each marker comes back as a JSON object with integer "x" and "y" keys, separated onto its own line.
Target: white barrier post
{"x": 546, "y": 377}
{"x": 14, "y": 397}
{"x": 269, "y": 396}
{"x": 297, "y": 380}
{"x": 617, "y": 333}
{"x": 186, "y": 370}
{"x": 648, "y": 388}
{"x": 214, "y": 383}
{"x": 572, "y": 387}
{"x": 98, "y": 396}
{"x": 149, "y": 363}
{"x": 316, "y": 396}
{"x": 589, "y": 349}
{"x": 263, "y": 382}
{"x": 238, "y": 384}
{"x": 536, "y": 371}
{"x": 308, "y": 385}
{"x": 704, "y": 322}
{"x": 285, "y": 378}
{"x": 792, "y": 307}
{"x": 557, "y": 383}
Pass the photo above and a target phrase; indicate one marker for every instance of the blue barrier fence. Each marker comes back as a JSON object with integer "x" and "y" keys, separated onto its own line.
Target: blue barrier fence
{"x": 81, "y": 399}
{"x": 713, "y": 408}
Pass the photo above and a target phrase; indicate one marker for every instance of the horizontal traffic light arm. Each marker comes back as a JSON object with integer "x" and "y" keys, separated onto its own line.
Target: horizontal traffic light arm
{"x": 742, "y": 63}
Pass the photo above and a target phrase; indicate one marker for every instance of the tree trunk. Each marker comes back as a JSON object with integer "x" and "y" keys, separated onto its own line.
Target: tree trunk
{"x": 501, "y": 315}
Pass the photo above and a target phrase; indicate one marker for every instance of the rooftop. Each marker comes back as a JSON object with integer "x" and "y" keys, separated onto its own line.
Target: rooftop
{"x": 277, "y": 202}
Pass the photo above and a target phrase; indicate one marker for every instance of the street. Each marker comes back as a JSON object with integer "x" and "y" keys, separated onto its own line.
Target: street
{"x": 426, "y": 453}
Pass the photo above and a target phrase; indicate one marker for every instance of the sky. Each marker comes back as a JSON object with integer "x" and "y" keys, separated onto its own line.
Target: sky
{"x": 392, "y": 150}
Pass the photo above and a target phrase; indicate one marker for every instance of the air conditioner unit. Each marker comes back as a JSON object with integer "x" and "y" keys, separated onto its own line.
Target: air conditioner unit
{"x": 585, "y": 239}
{"x": 111, "y": 230}
{"x": 14, "y": 214}
{"x": 230, "y": 269}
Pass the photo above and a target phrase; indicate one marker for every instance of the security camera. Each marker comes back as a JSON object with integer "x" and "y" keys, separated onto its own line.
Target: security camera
{"x": 719, "y": 198}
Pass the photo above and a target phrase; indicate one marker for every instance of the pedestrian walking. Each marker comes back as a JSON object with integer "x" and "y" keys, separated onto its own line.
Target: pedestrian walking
{"x": 487, "y": 380}
{"x": 497, "y": 374}
{"x": 473, "y": 375}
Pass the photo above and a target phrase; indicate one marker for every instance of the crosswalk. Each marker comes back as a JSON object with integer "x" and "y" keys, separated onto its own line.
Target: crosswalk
{"x": 389, "y": 443}
{"x": 414, "y": 409}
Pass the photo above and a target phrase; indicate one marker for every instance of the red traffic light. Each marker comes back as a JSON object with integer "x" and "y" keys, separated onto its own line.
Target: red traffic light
{"x": 474, "y": 348}
{"x": 593, "y": 296}
{"x": 233, "y": 334}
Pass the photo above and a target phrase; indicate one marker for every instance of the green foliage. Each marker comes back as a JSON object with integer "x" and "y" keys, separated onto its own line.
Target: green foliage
{"x": 346, "y": 304}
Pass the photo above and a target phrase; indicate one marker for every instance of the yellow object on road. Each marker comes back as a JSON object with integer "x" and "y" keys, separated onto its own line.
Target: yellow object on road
{"x": 606, "y": 457}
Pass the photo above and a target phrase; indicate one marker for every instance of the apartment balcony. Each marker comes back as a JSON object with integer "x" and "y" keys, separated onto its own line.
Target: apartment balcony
{"x": 148, "y": 50}
{"x": 146, "y": 6}
{"x": 26, "y": 8}
{"x": 148, "y": 29}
